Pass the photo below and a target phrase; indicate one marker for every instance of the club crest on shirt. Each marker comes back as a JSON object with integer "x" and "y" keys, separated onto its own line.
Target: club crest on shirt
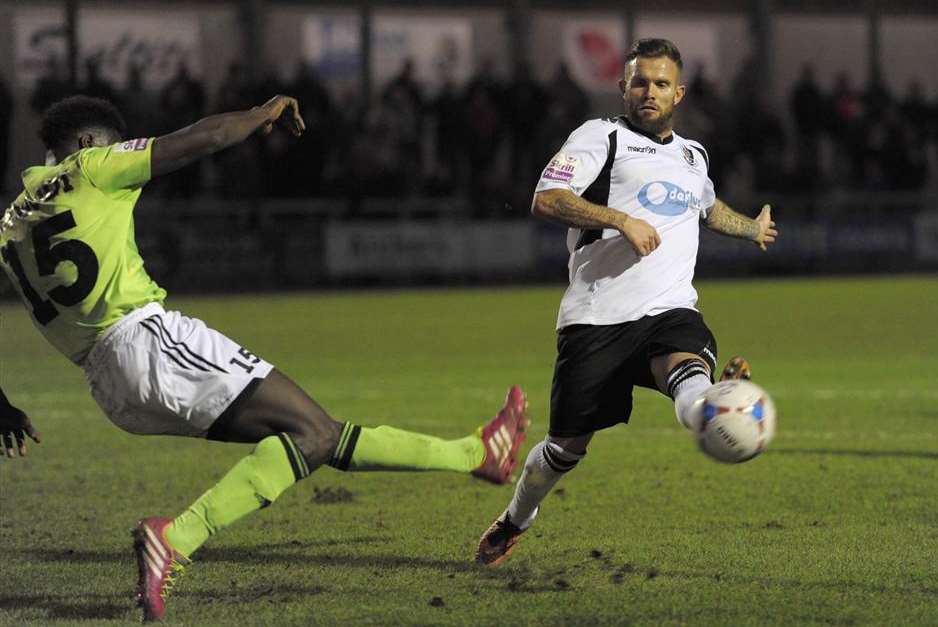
{"x": 132, "y": 145}
{"x": 688, "y": 155}
{"x": 561, "y": 168}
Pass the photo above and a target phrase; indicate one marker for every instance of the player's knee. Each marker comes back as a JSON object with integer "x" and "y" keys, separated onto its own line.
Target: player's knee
{"x": 317, "y": 438}
{"x": 265, "y": 456}
{"x": 685, "y": 371}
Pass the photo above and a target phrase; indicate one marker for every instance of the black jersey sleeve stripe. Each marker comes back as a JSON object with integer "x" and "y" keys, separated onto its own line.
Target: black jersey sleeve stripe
{"x": 188, "y": 350}
{"x": 598, "y": 191}
{"x": 703, "y": 153}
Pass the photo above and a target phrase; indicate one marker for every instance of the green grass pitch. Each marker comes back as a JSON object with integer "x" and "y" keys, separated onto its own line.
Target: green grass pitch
{"x": 837, "y": 524}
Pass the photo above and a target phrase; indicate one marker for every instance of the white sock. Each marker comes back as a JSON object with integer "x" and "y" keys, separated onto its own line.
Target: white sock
{"x": 546, "y": 464}
{"x": 686, "y": 385}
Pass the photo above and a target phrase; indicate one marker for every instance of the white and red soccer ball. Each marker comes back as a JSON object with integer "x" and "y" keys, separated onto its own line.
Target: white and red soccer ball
{"x": 737, "y": 422}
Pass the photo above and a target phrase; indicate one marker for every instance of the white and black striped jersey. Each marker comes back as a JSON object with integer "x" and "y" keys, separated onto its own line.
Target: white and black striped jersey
{"x": 664, "y": 182}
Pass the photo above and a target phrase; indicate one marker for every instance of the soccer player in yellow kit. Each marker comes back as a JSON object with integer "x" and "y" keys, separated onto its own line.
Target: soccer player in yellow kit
{"x": 67, "y": 243}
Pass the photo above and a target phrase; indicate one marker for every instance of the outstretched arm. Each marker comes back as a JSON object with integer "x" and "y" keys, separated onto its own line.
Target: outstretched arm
{"x": 565, "y": 207}
{"x": 722, "y": 219}
{"x": 14, "y": 426}
{"x": 217, "y": 132}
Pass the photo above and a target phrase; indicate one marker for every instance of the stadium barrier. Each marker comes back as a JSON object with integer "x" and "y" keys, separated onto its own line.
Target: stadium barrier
{"x": 236, "y": 246}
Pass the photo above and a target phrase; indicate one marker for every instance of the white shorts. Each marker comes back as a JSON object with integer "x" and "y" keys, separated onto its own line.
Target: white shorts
{"x": 159, "y": 372}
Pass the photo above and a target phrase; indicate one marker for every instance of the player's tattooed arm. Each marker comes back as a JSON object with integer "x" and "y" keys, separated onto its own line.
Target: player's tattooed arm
{"x": 565, "y": 207}
{"x": 217, "y": 132}
{"x": 14, "y": 427}
{"x": 722, "y": 219}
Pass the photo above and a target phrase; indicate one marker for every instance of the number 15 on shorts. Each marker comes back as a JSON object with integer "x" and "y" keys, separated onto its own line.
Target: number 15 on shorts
{"x": 249, "y": 360}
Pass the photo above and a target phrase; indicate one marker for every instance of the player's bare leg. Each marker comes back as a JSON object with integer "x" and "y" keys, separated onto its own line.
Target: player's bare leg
{"x": 294, "y": 436}
{"x": 547, "y": 462}
{"x": 279, "y": 405}
{"x": 301, "y": 436}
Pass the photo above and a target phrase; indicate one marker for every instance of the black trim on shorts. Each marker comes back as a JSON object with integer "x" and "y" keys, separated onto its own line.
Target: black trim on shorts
{"x": 165, "y": 349}
{"x": 220, "y": 426}
{"x": 178, "y": 343}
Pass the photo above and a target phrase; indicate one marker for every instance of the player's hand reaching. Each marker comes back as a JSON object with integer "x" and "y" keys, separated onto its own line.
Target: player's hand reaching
{"x": 14, "y": 427}
{"x": 767, "y": 232}
{"x": 285, "y": 111}
{"x": 642, "y": 236}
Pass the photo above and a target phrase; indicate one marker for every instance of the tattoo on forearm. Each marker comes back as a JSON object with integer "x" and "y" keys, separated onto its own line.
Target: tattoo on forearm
{"x": 724, "y": 220}
{"x": 571, "y": 210}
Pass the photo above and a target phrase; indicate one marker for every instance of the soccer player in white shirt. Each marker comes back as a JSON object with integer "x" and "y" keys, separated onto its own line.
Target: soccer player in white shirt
{"x": 633, "y": 194}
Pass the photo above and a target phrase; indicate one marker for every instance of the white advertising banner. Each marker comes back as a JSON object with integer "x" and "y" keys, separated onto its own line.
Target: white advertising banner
{"x": 38, "y": 43}
{"x": 594, "y": 51}
{"x": 440, "y": 47}
{"x": 423, "y": 249}
{"x": 332, "y": 45}
{"x": 696, "y": 38}
{"x": 156, "y": 42}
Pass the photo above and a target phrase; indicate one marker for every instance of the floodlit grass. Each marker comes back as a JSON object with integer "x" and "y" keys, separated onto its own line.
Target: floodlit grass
{"x": 836, "y": 524}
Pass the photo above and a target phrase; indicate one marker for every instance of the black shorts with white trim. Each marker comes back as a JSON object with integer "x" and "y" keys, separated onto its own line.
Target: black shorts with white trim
{"x": 598, "y": 365}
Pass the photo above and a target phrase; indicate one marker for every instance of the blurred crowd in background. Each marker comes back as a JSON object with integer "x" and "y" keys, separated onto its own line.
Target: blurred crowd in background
{"x": 488, "y": 140}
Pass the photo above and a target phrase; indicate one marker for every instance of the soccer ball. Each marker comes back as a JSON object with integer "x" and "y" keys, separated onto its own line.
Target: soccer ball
{"x": 738, "y": 421}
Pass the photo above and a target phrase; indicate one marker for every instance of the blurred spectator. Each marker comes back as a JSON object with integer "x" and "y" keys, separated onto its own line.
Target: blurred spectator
{"x": 183, "y": 102}
{"x": 809, "y": 111}
{"x": 705, "y": 117}
{"x": 847, "y": 113}
{"x": 450, "y": 137}
{"x": 95, "y": 84}
{"x": 484, "y": 123}
{"x": 916, "y": 111}
{"x": 762, "y": 139}
{"x": 6, "y": 118}
{"x": 847, "y": 107}
{"x": 489, "y": 140}
{"x": 139, "y": 105}
{"x": 525, "y": 105}
{"x": 401, "y": 113}
{"x": 239, "y": 176}
{"x": 182, "y": 99}
{"x": 571, "y": 98}
{"x": 51, "y": 87}
{"x": 877, "y": 98}
{"x": 307, "y": 156}
{"x": 896, "y": 150}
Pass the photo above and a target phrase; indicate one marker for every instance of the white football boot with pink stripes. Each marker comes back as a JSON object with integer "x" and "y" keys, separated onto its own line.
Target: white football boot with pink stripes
{"x": 158, "y": 566}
